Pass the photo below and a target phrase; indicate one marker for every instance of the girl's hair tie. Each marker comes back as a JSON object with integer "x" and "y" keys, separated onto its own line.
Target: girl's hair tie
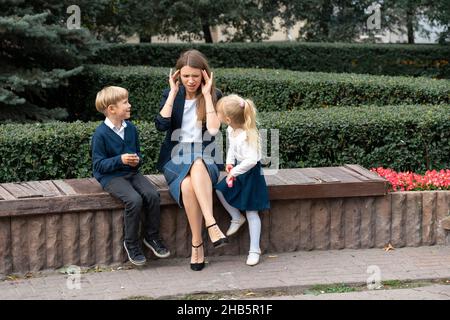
{"x": 242, "y": 103}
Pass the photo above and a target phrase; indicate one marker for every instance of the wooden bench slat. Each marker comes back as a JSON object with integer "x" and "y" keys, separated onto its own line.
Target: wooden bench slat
{"x": 286, "y": 177}
{"x": 274, "y": 180}
{"x": 5, "y": 195}
{"x": 355, "y": 174}
{"x": 158, "y": 181}
{"x": 318, "y": 175}
{"x": 30, "y": 190}
{"x": 327, "y": 174}
{"x": 51, "y": 187}
{"x": 64, "y": 187}
{"x": 301, "y": 177}
{"x": 343, "y": 176}
{"x": 364, "y": 172}
{"x": 37, "y": 185}
{"x": 21, "y": 191}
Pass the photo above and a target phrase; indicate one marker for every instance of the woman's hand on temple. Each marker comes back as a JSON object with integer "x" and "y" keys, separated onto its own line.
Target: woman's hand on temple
{"x": 173, "y": 81}
{"x": 206, "y": 87}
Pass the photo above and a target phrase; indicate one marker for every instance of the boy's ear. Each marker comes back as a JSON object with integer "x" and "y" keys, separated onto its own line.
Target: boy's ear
{"x": 110, "y": 108}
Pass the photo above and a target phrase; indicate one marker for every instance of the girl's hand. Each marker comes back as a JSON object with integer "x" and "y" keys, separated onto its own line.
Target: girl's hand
{"x": 206, "y": 87}
{"x": 228, "y": 167}
{"x": 173, "y": 81}
{"x": 229, "y": 180}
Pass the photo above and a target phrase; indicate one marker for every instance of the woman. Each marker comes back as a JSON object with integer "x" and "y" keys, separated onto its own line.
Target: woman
{"x": 188, "y": 115}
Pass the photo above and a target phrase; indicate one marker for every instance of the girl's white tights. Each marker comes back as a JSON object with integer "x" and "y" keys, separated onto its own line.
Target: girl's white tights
{"x": 254, "y": 222}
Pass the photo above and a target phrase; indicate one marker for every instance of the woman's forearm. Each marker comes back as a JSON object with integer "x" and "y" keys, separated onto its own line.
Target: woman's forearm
{"x": 212, "y": 120}
{"x": 166, "y": 111}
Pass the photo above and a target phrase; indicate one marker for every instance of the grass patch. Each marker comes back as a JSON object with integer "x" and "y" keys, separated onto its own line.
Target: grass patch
{"x": 334, "y": 288}
{"x": 296, "y": 290}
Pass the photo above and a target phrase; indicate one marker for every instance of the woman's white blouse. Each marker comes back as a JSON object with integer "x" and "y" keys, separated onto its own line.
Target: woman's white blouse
{"x": 191, "y": 131}
{"x": 239, "y": 149}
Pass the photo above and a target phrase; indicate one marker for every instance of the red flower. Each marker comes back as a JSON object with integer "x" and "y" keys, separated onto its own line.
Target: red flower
{"x": 409, "y": 181}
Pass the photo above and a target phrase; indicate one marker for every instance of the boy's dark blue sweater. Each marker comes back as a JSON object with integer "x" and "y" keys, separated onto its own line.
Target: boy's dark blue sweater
{"x": 107, "y": 149}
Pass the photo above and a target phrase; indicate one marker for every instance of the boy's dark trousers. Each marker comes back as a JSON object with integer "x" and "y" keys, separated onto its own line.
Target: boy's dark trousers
{"x": 136, "y": 192}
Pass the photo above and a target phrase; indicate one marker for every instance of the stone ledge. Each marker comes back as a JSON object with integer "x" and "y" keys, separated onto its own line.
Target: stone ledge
{"x": 86, "y": 229}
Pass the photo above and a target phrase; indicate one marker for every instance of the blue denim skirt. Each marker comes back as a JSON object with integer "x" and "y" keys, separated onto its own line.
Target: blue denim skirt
{"x": 180, "y": 165}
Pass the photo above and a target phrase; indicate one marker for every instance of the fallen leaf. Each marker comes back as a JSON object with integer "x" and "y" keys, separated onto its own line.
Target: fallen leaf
{"x": 389, "y": 247}
{"x": 250, "y": 294}
{"x": 63, "y": 270}
{"x": 273, "y": 256}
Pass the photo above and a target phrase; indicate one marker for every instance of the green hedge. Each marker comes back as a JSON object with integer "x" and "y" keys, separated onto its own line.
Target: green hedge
{"x": 400, "y": 137}
{"x": 59, "y": 150}
{"x": 272, "y": 90}
{"x": 378, "y": 59}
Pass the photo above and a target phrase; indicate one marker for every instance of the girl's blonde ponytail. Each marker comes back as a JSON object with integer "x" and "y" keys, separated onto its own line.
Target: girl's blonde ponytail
{"x": 250, "y": 123}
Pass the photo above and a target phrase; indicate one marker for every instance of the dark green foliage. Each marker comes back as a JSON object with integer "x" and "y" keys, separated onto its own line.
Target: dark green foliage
{"x": 377, "y": 59}
{"x": 271, "y": 90}
{"x": 413, "y": 138}
{"x": 57, "y": 150}
{"x": 401, "y": 137}
{"x": 36, "y": 54}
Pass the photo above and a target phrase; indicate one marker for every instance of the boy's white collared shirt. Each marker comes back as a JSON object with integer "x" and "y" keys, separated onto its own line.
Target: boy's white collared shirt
{"x": 119, "y": 131}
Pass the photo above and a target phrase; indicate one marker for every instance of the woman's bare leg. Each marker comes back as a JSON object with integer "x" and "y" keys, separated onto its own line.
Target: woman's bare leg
{"x": 201, "y": 183}
{"x": 194, "y": 215}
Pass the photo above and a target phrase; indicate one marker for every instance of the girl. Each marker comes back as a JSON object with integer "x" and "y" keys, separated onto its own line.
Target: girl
{"x": 244, "y": 188}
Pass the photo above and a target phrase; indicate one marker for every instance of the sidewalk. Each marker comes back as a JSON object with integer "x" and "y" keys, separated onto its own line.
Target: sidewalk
{"x": 173, "y": 277}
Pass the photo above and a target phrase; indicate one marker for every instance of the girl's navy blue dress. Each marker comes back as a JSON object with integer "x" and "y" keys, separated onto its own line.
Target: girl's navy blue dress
{"x": 249, "y": 190}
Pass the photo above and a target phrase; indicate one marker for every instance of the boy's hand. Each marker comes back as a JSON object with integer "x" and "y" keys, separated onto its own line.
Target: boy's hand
{"x": 228, "y": 167}
{"x": 130, "y": 159}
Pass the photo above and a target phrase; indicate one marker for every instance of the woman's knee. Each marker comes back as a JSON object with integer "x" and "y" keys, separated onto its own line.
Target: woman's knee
{"x": 198, "y": 164}
{"x": 186, "y": 186}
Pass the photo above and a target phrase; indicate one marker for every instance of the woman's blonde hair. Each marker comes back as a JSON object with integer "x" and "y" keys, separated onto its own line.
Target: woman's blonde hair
{"x": 242, "y": 112}
{"x": 195, "y": 59}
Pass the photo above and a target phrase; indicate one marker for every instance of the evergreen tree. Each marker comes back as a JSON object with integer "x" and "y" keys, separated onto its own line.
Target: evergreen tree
{"x": 326, "y": 20}
{"x": 37, "y": 53}
{"x": 192, "y": 19}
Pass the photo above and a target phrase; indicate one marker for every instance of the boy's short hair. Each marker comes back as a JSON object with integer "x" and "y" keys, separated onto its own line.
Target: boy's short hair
{"x": 109, "y": 95}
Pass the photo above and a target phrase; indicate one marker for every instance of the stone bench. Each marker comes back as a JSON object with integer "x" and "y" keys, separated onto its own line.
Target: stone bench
{"x": 50, "y": 224}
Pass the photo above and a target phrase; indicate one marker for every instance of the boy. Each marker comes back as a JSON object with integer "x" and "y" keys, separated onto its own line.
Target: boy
{"x": 116, "y": 159}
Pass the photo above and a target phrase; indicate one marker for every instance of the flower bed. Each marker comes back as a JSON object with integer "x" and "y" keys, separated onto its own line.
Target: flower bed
{"x": 410, "y": 181}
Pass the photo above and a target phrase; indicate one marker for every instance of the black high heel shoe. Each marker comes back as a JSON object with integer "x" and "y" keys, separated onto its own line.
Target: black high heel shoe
{"x": 222, "y": 241}
{"x": 201, "y": 265}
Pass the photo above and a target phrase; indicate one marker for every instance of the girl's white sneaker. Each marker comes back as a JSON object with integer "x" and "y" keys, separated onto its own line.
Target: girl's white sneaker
{"x": 235, "y": 225}
{"x": 253, "y": 258}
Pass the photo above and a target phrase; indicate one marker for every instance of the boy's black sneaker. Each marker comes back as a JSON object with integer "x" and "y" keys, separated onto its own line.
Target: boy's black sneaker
{"x": 135, "y": 255}
{"x": 158, "y": 248}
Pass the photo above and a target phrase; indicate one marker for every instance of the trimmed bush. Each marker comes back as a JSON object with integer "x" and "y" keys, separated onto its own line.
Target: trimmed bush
{"x": 57, "y": 150}
{"x": 377, "y": 59}
{"x": 414, "y": 138}
{"x": 403, "y": 138}
{"x": 271, "y": 90}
